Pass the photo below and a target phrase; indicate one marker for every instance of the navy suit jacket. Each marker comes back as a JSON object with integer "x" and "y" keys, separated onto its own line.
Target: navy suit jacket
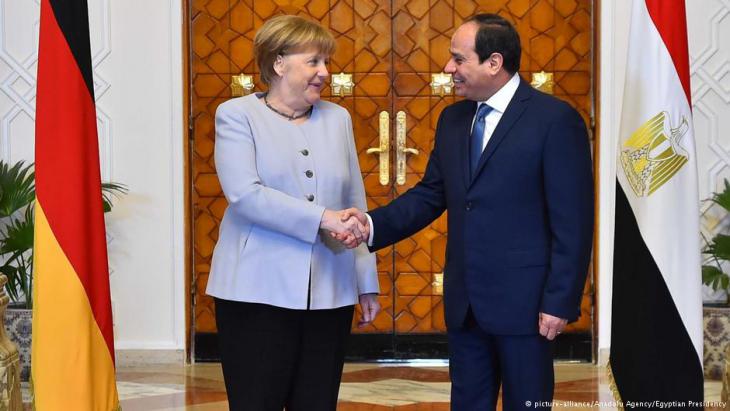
{"x": 521, "y": 229}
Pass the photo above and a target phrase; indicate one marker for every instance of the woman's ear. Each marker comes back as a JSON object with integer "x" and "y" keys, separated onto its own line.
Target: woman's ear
{"x": 279, "y": 65}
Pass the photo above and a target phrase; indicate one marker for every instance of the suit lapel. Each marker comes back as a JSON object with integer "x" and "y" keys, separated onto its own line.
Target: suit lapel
{"x": 463, "y": 134}
{"x": 514, "y": 110}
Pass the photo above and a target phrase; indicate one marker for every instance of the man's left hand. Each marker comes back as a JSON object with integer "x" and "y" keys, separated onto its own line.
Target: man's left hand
{"x": 550, "y": 325}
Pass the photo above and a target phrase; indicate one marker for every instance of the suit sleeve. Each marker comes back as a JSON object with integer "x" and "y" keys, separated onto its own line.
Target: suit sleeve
{"x": 235, "y": 162}
{"x": 568, "y": 184}
{"x": 365, "y": 265}
{"x": 416, "y": 208}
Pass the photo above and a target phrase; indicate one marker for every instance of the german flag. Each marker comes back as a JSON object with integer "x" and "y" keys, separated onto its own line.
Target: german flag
{"x": 73, "y": 343}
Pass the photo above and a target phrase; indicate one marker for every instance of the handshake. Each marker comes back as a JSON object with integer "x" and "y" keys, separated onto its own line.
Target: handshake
{"x": 350, "y": 227}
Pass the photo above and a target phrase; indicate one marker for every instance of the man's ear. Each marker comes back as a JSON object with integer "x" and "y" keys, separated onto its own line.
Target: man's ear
{"x": 496, "y": 62}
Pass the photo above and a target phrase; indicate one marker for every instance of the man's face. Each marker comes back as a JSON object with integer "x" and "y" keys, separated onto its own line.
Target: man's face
{"x": 472, "y": 80}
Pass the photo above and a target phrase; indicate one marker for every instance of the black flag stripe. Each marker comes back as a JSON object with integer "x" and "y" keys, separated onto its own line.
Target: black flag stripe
{"x": 652, "y": 356}
{"x": 73, "y": 19}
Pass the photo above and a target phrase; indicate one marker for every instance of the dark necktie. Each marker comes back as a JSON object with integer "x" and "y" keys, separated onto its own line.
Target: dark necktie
{"x": 477, "y": 136}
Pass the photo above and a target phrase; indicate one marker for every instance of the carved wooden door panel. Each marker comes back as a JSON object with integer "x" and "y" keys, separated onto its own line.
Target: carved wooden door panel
{"x": 423, "y": 30}
{"x": 556, "y": 37}
{"x": 391, "y": 47}
{"x": 364, "y": 48}
{"x": 222, "y": 46}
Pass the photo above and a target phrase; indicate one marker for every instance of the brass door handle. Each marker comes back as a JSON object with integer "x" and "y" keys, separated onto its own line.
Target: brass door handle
{"x": 401, "y": 150}
{"x": 384, "y": 149}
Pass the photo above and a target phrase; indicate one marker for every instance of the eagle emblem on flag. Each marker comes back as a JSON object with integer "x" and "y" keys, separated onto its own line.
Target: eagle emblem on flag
{"x": 652, "y": 155}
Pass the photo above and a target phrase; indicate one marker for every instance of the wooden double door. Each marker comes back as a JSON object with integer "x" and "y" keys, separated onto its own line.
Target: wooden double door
{"x": 392, "y": 48}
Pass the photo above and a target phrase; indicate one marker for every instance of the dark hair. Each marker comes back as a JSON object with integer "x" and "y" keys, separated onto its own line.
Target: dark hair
{"x": 497, "y": 35}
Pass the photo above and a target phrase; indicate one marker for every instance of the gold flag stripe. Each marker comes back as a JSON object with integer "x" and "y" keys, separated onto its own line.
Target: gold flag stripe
{"x": 72, "y": 367}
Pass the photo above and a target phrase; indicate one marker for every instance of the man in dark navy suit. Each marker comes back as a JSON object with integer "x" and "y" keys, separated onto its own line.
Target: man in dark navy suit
{"x": 513, "y": 168}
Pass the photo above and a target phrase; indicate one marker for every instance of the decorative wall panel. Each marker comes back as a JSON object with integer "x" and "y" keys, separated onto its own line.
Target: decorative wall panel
{"x": 19, "y": 22}
{"x": 136, "y": 52}
{"x": 708, "y": 23}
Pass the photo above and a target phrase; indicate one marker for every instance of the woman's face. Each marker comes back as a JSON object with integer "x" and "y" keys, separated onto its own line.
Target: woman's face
{"x": 302, "y": 74}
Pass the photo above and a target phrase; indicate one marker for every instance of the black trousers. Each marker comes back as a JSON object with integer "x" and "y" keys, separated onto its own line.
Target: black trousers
{"x": 275, "y": 358}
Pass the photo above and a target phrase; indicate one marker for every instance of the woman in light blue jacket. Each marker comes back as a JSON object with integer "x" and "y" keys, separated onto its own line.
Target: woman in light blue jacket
{"x": 284, "y": 288}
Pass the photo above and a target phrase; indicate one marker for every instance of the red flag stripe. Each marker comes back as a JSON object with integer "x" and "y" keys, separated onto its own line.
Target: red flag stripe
{"x": 67, "y": 166}
{"x": 670, "y": 19}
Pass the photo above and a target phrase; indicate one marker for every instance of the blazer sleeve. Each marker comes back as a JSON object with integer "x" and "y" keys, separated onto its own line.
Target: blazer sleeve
{"x": 568, "y": 183}
{"x": 417, "y": 207}
{"x": 235, "y": 162}
{"x": 365, "y": 265}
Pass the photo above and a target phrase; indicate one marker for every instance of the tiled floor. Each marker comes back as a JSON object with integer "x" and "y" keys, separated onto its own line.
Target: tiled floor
{"x": 365, "y": 387}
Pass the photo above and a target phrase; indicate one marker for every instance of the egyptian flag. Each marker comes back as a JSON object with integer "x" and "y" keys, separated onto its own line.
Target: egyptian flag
{"x": 656, "y": 327}
{"x": 73, "y": 344}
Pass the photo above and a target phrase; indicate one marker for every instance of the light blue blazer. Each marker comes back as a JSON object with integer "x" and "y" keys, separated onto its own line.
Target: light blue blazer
{"x": 278, "y": 178}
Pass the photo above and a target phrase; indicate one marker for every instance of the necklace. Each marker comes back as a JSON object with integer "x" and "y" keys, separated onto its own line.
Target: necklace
{"x": 288, "y": 117}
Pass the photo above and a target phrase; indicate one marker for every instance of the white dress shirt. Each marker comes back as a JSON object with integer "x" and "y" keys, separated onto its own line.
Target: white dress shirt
{"x": 498, "y": 102}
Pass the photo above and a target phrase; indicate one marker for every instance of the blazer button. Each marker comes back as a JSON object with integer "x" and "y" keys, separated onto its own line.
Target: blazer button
{"x": 309, "y": 173}
{"x": 468, "y": 206}
{"x": 310, "y": 197}
{"x": 305, "y": 152}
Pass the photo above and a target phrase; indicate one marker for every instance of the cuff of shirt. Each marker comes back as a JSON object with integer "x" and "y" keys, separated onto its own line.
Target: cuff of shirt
{"x": 372, "y": 230}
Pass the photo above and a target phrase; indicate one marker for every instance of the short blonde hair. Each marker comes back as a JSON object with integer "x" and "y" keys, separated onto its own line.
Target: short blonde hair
{"x": 284, "y": 35}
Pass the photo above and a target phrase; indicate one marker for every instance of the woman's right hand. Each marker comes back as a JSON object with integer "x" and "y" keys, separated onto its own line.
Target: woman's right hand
{"x": 352, "y": 230}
